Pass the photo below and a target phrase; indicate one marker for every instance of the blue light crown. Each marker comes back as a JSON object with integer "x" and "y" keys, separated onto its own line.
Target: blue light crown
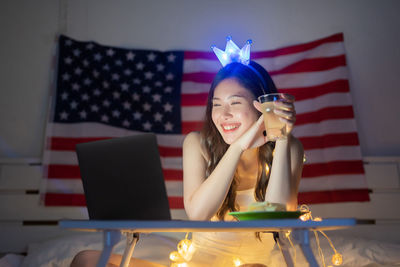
{"x": 232, "y": 52}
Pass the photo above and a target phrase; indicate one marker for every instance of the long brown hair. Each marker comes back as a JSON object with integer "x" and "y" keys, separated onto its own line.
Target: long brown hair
{"x": 215, "y": 146}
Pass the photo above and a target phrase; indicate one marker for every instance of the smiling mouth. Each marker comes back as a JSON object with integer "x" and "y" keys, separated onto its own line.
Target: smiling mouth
{"x": 230, "y": 127}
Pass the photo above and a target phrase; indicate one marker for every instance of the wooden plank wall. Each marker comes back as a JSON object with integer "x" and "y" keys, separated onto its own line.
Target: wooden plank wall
{"x": 23, "y": 220}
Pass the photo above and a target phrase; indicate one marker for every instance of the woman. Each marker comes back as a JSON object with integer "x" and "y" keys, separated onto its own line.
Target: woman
{"x": 231, "y": 163}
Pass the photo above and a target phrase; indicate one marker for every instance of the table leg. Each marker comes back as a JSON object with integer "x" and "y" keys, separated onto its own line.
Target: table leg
{"x": 302, "y": 237}
{"x": 110, "y": 238}
{"x": 131, "y": 240}
{"x": 285, "y": 252}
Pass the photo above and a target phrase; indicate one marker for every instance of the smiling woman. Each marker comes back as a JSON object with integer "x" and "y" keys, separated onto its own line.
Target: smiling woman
{"x": 231, "y": 164}
{"x": 233, "y": 112}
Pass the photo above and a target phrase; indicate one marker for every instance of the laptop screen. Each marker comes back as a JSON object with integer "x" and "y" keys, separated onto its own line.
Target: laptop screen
{"x": 123, "y": 180}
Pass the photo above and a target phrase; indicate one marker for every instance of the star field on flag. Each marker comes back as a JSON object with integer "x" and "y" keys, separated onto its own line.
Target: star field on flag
{"x": 137, "y": 90}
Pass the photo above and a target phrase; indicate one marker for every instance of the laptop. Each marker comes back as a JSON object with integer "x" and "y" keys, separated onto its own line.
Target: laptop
{"x": 122, "y": 179}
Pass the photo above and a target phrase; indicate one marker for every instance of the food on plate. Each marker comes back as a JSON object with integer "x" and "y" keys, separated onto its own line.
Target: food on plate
{"x": 266, "y": 206}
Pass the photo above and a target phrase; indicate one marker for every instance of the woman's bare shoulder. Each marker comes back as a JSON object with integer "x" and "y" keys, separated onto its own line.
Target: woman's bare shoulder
{"x": 192, "y": 143}
{"x": 192, "y": 139}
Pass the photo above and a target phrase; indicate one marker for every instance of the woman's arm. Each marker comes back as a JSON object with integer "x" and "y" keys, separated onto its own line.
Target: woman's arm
{"x": 203, "y": 197}
{"x": 286, "y": 171}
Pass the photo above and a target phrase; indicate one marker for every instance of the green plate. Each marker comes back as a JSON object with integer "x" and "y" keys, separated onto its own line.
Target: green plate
{"x": 265, "y": 215}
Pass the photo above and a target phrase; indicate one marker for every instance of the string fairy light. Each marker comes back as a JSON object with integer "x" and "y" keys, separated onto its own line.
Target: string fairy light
{"x": 185, "y": 248}
{"x": 237, "y": 262}
{"x": 287, "y": 234}
{"x": 184, "y": 252}
{"x": 181, "y": 264}
{"x": 337, "y": 258}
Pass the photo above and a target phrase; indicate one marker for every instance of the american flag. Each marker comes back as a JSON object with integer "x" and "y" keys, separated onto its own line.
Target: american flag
{"x": 106, "y": 92}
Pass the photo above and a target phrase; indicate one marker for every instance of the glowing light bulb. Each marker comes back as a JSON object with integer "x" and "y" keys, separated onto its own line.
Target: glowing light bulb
{"x": 318, "y": 219}
{"x": 237, "y": 262}
{"x": 186, "y": 249}
{"x": 305, "y": 216}
{"x": 183, "y": 246}
{"x": 337, "y": 259}
{"x": 287, "y": 234}
{"x": 175, "y": 256}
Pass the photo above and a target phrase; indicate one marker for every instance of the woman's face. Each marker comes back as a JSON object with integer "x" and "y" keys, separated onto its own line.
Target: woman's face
{"x": 232, "y": 110}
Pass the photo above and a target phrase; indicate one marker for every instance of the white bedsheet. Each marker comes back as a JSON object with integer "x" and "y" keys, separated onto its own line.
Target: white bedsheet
{"x": 357, "y": 252}
{"x": 60, "y": 252}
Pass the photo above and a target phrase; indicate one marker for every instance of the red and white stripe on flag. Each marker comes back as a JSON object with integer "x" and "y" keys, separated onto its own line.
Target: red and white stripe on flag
{"x": 315, "y": 73}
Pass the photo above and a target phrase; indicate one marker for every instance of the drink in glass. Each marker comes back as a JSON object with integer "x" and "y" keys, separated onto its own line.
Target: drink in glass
{"x": 274, "y": 127}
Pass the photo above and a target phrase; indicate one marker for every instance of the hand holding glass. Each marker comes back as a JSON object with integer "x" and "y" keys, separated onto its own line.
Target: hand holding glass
{"x": 274, "y": 126}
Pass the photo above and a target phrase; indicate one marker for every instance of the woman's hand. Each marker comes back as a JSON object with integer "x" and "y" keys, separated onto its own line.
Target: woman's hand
{"x": 253, "y": 137}
{"x": 284, "y": 109}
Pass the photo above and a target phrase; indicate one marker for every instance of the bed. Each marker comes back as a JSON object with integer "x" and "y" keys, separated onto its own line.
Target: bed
{"x": 30, "y": 236}
{"x": 60, "y": 251}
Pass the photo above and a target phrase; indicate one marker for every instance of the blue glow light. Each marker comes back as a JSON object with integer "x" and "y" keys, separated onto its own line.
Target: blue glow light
{"x": 233, "y": 53}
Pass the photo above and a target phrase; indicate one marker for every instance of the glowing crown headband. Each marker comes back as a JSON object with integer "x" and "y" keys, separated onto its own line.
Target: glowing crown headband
{"x": 232, "y": 53}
